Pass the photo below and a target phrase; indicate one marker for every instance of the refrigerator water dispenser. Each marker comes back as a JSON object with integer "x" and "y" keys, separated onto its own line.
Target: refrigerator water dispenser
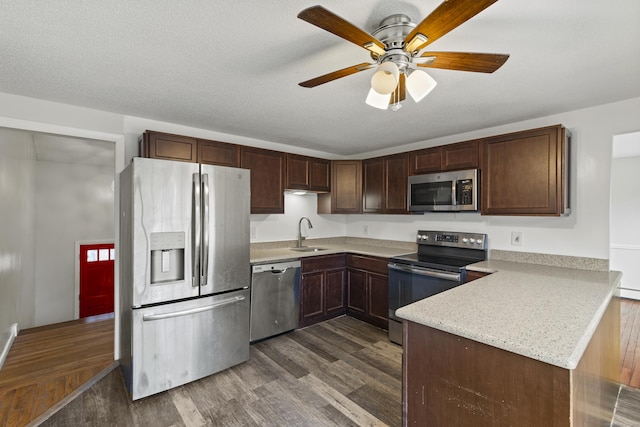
{"x": 167, "y": 257}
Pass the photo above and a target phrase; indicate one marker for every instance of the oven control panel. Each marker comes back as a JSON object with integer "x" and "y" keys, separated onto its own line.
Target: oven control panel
{"x": 453, "y": 239}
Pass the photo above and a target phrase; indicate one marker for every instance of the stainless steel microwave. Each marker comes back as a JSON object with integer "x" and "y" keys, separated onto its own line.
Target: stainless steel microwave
{"x": 444, "y": 191}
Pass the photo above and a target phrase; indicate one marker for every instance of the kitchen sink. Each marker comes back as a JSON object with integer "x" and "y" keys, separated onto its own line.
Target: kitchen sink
{"x": 308, "y": 249}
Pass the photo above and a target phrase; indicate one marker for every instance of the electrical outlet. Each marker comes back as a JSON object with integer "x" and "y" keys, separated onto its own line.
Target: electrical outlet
{"x": 365, "y": 230}
{"x": 516, "y": 238}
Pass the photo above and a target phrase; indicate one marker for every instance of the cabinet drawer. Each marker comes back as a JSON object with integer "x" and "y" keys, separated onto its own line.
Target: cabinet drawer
{"x": 373, "y": 264}
{"x": 321, "y": 263}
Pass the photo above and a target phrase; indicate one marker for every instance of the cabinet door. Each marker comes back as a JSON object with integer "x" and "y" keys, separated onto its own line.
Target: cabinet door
{"x": 372, "y": 185}
{"x": 378, "y": 299}
{"x": 523, "y": 173}
{"x": 346, "y": 188}
{"x": 311, "y": 297}
{"x": 267, "y": 179}
{"x": 395, "y": 190}
{"x": 218, "y": 153}
{"x": 298, "y": 177}
{"x": 463, "y": 155}
{"x": 356, "y": 293}
{"x": 474, "y": 275}
{"x": 320, "y": 175}
{"x": 334, "y": 292}
{"x": 425, "y": 161}
{"x": 158, "y": 145}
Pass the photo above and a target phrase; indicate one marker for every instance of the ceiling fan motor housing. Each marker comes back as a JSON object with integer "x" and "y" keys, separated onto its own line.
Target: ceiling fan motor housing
{"x": 392, "y": 32}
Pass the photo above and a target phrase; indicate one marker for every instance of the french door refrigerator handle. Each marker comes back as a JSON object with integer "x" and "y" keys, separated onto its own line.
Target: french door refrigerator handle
{"x": 453, "y": 277}
{"x": 151, "y": 316}
{"x": 205, "y": 229}
{"x": 195, "y": 231}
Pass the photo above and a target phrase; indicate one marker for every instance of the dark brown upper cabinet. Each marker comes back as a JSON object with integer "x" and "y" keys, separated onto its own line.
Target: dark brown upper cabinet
{"x": 158, "y": 145}
{"x": 346, "y": 189}
{"x": 267, "y": 179}
{"x": 526, "y": 173}
{"x": 218, "y": 153}
{"x": 166, "y": 146}
{"x": 384, "y": 184}
{"x": 461, "y": 155}
{"x": 308, "y": 173}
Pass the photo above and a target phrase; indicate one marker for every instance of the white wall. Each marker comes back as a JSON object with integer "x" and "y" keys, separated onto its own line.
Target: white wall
{"x": 73, "y": 202}
{"x": 266, "y": 228}
{"x": 16, "y": 231}
{"x": 625, "y": 223}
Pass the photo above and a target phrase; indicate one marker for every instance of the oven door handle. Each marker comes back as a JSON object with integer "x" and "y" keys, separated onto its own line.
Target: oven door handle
{"x": 453, "y": 277}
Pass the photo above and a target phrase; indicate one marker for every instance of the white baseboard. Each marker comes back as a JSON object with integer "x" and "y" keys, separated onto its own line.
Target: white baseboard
{"x": 629, "y": 293}
{"x": 13, "y": 333}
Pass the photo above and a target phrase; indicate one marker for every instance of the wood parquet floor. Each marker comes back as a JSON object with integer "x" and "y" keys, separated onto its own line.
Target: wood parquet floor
{"x": 48, "y": 363}
{"x": 340, "y": 372}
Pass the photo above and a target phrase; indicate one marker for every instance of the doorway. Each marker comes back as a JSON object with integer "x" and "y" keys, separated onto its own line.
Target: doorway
{"x": 624, "y": 250}
{"x": 14, "y": 294}
{"x": 95, "y": 265}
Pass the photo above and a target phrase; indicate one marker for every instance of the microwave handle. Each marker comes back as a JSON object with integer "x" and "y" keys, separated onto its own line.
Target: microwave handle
{"x": 454, "y": 186}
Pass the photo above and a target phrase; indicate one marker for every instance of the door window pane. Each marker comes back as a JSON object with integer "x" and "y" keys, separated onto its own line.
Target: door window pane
{"x": 104, "y": 255}
{"x": 92, "y": 255}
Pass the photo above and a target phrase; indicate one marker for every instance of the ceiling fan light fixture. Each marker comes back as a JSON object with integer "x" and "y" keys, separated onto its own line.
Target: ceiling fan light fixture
{"x": 385, "y": 79}
{"x": 377, "y": 100}
{"x": 419, "y": 84}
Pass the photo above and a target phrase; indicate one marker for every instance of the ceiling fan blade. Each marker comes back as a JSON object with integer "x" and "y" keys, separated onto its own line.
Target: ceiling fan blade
{"x": 323, "y": 18}
{"x": 337, "y": 74}
{"x": 462, "y": 61}
{"x": 400, "y": 93}
{"x": 446, "y": 17}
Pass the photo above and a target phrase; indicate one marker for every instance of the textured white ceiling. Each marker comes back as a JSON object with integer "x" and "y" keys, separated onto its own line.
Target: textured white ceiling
{"x": 234, "y": 66}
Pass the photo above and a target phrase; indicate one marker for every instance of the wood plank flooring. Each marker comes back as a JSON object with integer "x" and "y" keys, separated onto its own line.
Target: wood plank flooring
{"x": 48, "y": 363}
{"x": 341, "y": 372}
{"x": 630, "y": 342}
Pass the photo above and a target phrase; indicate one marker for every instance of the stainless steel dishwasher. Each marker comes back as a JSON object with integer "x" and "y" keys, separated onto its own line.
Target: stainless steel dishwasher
{"x": 275, "y": 298}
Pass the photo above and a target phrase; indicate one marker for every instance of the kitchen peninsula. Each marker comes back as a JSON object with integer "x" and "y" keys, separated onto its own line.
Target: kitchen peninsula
{"x": 528, "y": 344}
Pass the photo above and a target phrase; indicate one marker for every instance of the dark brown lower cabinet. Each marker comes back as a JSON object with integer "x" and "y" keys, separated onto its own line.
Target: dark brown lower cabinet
{"x": 449, "y": 380}
{"x": 368, "y": 289}
{"x": 473, "y": 275}
{"x": 322, "y": 288}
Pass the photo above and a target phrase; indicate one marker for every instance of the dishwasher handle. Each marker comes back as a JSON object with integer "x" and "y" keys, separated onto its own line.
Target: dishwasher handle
{"x": 420, "y": 271}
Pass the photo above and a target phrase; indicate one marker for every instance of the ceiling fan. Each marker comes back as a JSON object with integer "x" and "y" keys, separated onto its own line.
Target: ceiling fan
{"x": 395, "y": 47}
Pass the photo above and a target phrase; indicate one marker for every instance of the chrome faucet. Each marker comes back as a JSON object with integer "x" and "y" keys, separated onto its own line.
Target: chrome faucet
{"x": 300, "y": 237}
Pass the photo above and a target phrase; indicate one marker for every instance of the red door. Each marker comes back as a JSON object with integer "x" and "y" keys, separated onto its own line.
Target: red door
{"x": 96, "y": 279}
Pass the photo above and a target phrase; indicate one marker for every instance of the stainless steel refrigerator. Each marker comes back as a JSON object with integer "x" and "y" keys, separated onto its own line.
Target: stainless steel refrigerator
{"x": 184, "y": 272}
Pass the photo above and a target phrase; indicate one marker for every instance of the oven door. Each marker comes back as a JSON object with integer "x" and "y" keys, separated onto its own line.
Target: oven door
{"x": 408, "y": 284}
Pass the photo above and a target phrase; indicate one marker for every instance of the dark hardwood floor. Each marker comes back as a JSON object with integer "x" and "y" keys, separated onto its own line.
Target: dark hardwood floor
{"x": 50, "y": 363}
{"x": 340, "y": 372}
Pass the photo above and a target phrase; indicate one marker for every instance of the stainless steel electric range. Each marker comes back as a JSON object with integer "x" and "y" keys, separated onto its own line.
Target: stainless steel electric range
{"x": 439, "y": 265}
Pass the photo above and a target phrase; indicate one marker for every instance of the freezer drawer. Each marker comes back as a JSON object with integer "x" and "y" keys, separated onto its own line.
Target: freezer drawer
{"x": 173, "y": 344}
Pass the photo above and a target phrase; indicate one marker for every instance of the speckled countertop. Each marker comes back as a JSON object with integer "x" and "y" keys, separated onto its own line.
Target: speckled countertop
{"x": 543, "y": 312}
{"x": 279, "y": 251}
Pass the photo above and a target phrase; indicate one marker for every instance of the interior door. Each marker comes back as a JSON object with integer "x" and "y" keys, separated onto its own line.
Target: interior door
{"x": 96, "y": 279}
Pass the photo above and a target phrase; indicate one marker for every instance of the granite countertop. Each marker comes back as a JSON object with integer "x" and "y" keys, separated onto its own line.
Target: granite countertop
{"x": 280, "y": 251}
{"x": 543, "y": 312}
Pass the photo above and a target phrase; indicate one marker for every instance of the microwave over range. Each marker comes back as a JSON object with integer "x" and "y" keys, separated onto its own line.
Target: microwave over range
{"x": 444, "y": 191}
